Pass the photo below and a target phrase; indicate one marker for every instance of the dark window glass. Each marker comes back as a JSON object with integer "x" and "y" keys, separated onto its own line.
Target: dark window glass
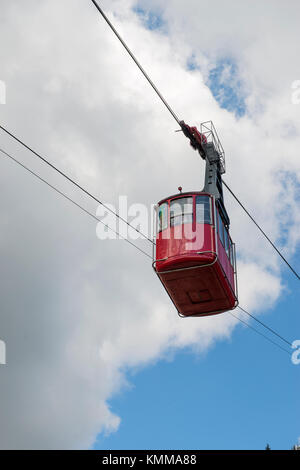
{"x": 181, "y": 211}
{"x": 231, "y": 252}
{"x": 227, "y": 246}
{"x": 221, "y": 229}
{"x": 162, "y": 217}
{"x": 203, "y": 213}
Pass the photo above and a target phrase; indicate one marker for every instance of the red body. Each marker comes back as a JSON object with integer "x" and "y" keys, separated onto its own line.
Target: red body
{"x": 195, "y": 257}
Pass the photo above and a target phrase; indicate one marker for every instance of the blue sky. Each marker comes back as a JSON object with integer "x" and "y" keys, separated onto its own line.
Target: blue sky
{"x": 151, "y": 19}
{"x": 226, "y": 86}
{"x": 244, "y": 392}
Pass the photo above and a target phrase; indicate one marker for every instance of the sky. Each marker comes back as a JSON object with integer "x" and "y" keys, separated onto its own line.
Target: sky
{"x": 96, "y": 357}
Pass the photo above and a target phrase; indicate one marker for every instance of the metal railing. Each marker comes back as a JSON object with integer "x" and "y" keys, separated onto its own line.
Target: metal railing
{"x": 208, "y": 129}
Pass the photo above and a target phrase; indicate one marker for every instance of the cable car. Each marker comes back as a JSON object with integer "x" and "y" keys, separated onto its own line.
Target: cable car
{"x": 194, "y": 255}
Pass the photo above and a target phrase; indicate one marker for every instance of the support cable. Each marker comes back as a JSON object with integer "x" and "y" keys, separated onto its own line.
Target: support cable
{"x": 74, "y": 183}
{"x": 72, "y": 201}
{"x": 261, "y": 230}
{"x": 136, "y": 61}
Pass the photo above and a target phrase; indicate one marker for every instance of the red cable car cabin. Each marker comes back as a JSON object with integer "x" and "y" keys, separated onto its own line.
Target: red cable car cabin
{"x": 195, "y": 256}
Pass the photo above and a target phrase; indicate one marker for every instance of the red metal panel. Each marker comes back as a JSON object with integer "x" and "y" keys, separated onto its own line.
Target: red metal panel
{"x": 190, "y": 243}
{"x": 199, "y": 291}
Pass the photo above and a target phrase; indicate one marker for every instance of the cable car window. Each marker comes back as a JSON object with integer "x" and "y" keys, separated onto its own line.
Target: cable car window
{"x": 162, "y": 217}
{"x": 231, "y": 252}
{"x": 221, "y": 229}
{"x": 181, "y": 211}
{"x": 203, "y": 213}
{"x": 227, "y": 247}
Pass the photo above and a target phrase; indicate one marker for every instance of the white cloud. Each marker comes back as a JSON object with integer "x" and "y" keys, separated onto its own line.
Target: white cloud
{"x": 77, "y": 311}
